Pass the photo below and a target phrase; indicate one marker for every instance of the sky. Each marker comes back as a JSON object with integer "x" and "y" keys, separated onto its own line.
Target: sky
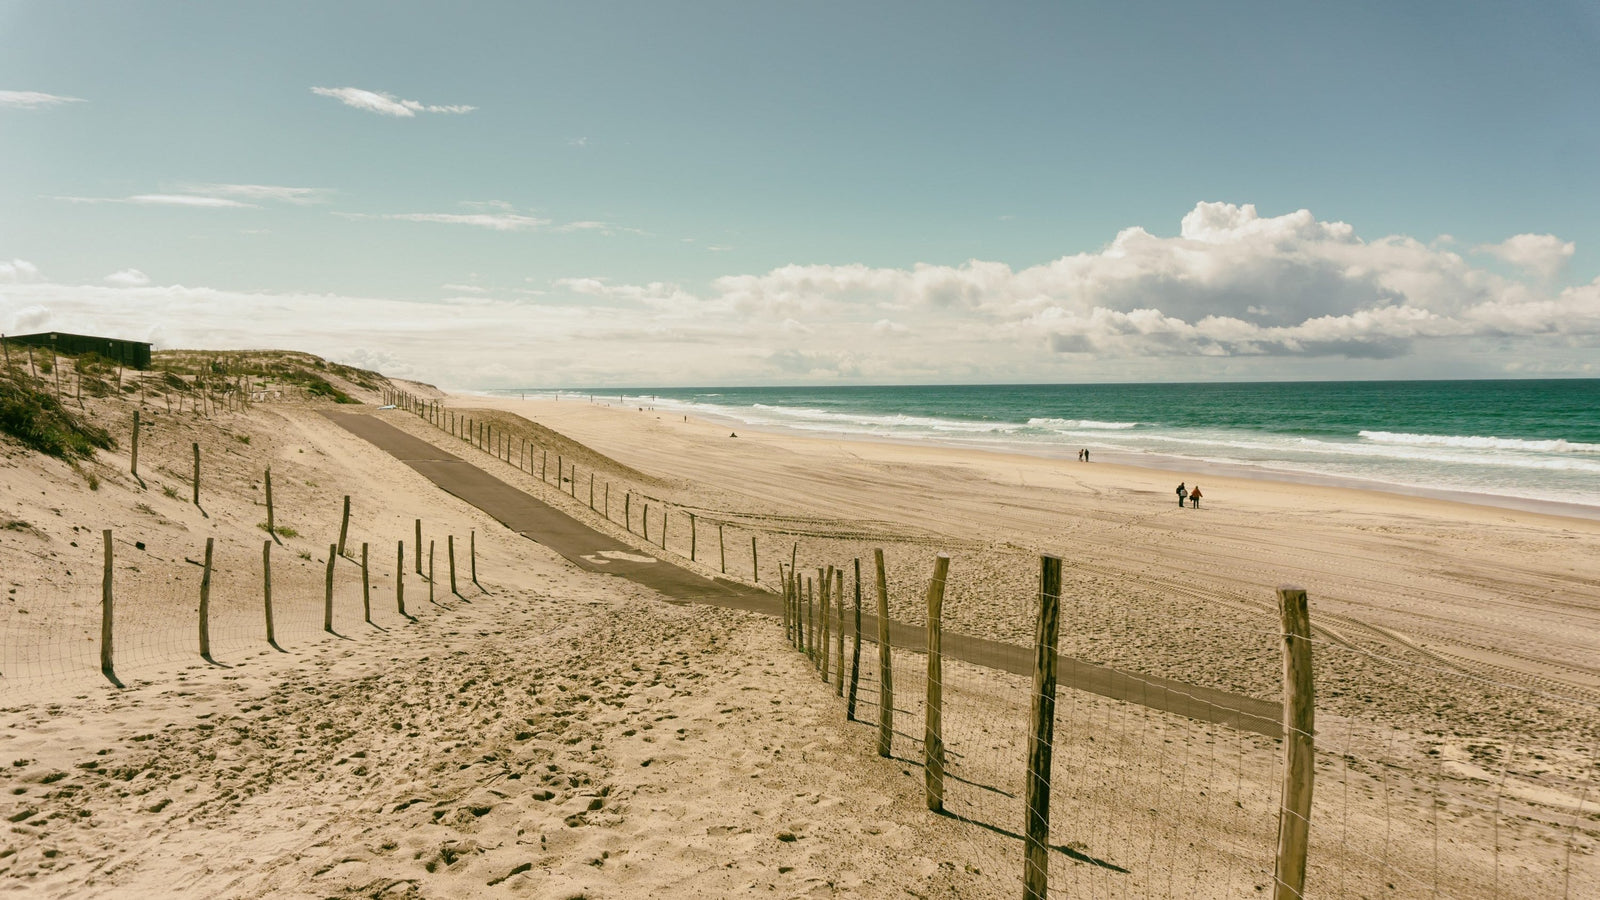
{"x": 603, "y": 194}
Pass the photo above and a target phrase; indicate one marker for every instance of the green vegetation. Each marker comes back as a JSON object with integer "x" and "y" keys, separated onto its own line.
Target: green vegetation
{"x": 282, "y": 530}
{"x": 170, "y": 492}
{"x": 41, "y": 423}
{"x": 319, "y": 387}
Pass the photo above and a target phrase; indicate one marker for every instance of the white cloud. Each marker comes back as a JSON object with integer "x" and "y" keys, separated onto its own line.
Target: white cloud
{"x": 1230, "y": 294}
{"x": 34, "y": 100}
{"x": 1544, "y": 255}
{"x": 464, "y": 288}
{"x": 299, "y": 196}
{"x": 17, "y": 271}
{"x": 493, "y": 221}
{"x": 385, "y": 104}
{"x": 127, "y": 278}
{"x": 189, "y": 200}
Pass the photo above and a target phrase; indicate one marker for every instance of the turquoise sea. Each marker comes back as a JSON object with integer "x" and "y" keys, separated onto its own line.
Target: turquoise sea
{"x": 1507, "y": 441}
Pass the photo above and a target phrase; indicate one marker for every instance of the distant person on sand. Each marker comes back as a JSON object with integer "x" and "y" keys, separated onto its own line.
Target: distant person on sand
{"x": 1080, "y": 456}
{"x": 1183, "y": 494}
{"x": 1086, "y": 454}
{"x": 1194, "y": 498}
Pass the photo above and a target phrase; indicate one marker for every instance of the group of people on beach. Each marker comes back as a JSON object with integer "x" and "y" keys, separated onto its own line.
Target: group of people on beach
{"x": 1190, "y": 494}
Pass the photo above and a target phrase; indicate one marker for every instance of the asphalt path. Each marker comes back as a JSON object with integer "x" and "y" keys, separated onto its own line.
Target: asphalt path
{"x": 594, "y": 551}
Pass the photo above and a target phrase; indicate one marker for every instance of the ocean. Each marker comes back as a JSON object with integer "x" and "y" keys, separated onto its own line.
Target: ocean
{"x": 1525, "y": 443}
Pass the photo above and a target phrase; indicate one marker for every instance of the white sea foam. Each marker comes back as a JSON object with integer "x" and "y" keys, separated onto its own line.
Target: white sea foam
{"x": 1081, "y": 424}
{"x": 1479, "y": 443}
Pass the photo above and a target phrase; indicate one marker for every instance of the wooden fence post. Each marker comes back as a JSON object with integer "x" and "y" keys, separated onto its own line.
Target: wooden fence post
{"x": 327, "y": 592}
{"x": 400, "y": 577}
{"x": 431, "y": 582}
{"x": 933, "y": 733}
{"x": 591, "y": 492}
{"x": 627, "y": 511}
{"x": 133, "y": 469}
{"x": 1041, "y": 740}
{"x": 417, "y": 547}
{"x": 197, "y": 473}
{"x": 855, "y": 655}
{"x": 1299, "y": 745}
{"x": 722, "y": 550}
{"x": 107, "y": 601}
{"x": 472, "y": 548}
{"x": 755, "y": 564}
{"x": 205, "y": 605}
{"x": 544, "y": 466}
{"x": 272, "y": 527}
{"x": 838, "y": 631}
{"x": 811, "y": 621}
{"x": 450, "y": 548}
{"x": 826, "y": 579}
{"x": 646, "y": 520}
{"x": 266, "y": 588}
{"x": 366, "y": 586}
{"x": 608, "y": 501}
{"x": 692, "y": 537}
{"x": 344, "y": 524}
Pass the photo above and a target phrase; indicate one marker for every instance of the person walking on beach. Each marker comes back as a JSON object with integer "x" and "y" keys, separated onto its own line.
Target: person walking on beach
{"x": 1194, "y": 498}
{"x": 1086, "y": 454}
{"x": 1183, "y": 494}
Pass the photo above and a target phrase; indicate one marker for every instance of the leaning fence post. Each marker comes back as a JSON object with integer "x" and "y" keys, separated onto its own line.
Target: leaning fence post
{"x": 366, "y": 586}
{"x": 400, "y": 577}
{"x": 1299, "y": 745}
{"x": 266, "y": 588}
{"x": 197, "y": 473}
{"x": 344, "y": 524}
{"x": 450, "y": 548}
{"x": 106, "y": 603}
{"x": 327, "y": 593}
{"x": 205, "y": 605}
{"x": 885, "y": 663}
{"x": 1041, "y": 740}
{"x": 933, "y": 733}
{"x": 855, "y": 655}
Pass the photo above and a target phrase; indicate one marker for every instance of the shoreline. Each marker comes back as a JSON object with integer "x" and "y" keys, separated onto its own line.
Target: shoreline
{"x": 1152, "y": 462}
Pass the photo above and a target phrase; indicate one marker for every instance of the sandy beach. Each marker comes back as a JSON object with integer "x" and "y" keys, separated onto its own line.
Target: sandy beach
{"x": 556, "y": 733}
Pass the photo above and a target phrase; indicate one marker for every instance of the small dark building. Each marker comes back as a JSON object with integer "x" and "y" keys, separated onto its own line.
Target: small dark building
{"x": 132, "y": 354}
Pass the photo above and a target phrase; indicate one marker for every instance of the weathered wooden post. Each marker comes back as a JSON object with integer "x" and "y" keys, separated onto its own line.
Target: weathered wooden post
{"x": 544, "y": 466}
{"x": 608, "y": 501}
{"x": 811, "y": 621}
{"x": 400, "y": 577}
{"x": 417, "y": 547}
{"x": 197, "y": 473}
{"x": 627, "y": 511}
{"x": 722, "y": 550}
{"x": 107, "y": 601}
{"x": 366, "y": 587}
{"x": 205, "y": 605}
{"x": 666, "y": 517}
{"x": 133, "y": 468}
{"x": 755, "y": 563}
{"x": 855, "y": 655}
{"x": 838, "y": 631}
{"x": 933, "y": 733}
{"x": 826, "y": 586}
{"x": 431, "y": 582}
{"x": 450, "y": 550}
{"x": 472, "y": 547}
{"x": 591, "y": 492}
{"x": 645, "y": 518}
{"x": 327, "y": 592}
{"x": 1041, "y": 739}
{"x": 266, "y": 588}
{"x": 344, "y": 524}
{"x": 692, "y": 536}
{"x": 1299, "y": 745}
{"x": 272, "y": 528}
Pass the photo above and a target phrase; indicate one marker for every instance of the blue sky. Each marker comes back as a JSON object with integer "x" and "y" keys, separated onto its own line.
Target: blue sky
{"x": 650, "y": 193}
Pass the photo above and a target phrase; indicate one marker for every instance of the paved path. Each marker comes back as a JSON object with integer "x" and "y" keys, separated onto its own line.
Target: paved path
{"x": 596, "y": 552}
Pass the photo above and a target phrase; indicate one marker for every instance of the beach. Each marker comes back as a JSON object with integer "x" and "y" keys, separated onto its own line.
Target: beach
{"x": 557, "y": 733}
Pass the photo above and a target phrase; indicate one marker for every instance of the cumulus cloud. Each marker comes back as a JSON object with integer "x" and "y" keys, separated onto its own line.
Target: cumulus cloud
{"x": 128, "y": 278}
{"x": 385, "y": 104}
{"x": 34, "y": 100}
{"x": 1544, "y": 255}
{"x": 1230, "y": 293}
